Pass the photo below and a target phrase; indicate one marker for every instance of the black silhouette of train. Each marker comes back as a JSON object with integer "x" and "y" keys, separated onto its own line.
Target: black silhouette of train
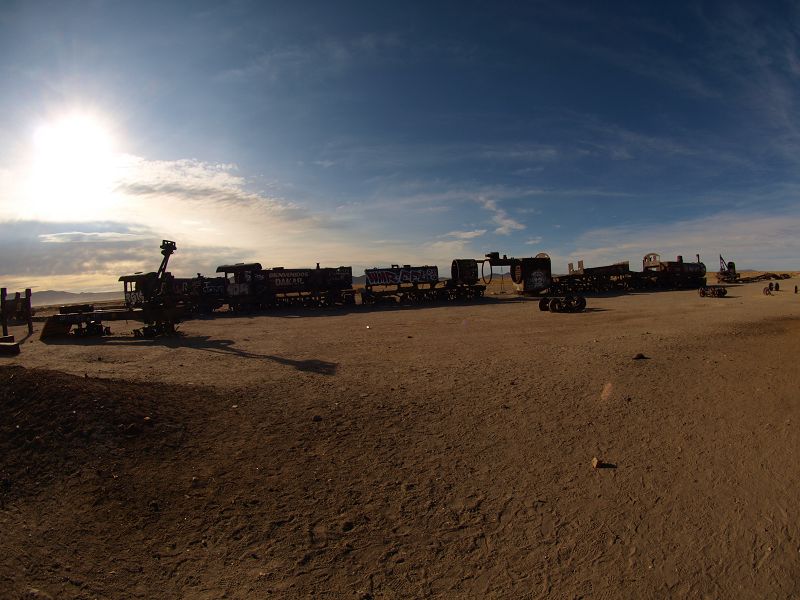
{"x": 249, "y": 286}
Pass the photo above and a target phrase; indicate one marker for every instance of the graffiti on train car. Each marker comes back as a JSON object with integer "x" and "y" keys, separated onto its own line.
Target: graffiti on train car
{"x": 399, "y": 275}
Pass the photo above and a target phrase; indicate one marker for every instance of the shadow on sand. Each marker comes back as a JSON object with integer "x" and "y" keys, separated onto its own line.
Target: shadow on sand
{"x": 203, "y": 343}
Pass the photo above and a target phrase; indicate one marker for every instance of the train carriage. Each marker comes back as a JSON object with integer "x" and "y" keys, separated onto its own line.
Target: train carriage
{"x": 413, "y": 284}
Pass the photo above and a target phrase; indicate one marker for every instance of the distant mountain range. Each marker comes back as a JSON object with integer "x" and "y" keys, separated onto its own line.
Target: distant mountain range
{"x": 52, "y": 297}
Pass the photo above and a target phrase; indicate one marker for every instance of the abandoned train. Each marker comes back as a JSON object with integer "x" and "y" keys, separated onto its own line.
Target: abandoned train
{"x": 249, "y": 286}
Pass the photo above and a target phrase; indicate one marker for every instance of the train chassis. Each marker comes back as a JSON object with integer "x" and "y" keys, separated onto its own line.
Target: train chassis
{"x": 559, "y": 304}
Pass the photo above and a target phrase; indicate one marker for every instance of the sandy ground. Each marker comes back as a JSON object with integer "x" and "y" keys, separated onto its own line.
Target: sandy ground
{"x": 429, "y": 452}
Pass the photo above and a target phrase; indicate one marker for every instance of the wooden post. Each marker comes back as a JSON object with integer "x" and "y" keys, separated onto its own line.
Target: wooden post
{"x": 28, "y": 310}
{"x": 3, "y": 315}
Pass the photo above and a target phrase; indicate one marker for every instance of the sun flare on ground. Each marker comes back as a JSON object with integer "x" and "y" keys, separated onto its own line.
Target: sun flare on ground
{"x": 73, "y": 168}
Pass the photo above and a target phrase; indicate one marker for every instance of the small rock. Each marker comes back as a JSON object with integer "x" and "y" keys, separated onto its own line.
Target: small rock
{"x": 36, "y": 594}
{"x": 316, "y": 418}
{"x": 596, "y": 462}
{"x": 154, "y": 506}
{"x": 640, "y": 356}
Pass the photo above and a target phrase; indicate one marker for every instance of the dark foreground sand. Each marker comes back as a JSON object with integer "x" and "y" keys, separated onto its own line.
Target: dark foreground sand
{"x": 443, "y": 452}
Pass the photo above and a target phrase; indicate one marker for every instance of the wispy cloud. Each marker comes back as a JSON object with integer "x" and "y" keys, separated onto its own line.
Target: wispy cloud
{"x": 318, "y": 59}
{"x": 534, "y": 241}
{"x": 92, "y": 237}
{"x": 505, "y": 224}
{"x": 466, "y": 235}
{"x": 197, "y": 181}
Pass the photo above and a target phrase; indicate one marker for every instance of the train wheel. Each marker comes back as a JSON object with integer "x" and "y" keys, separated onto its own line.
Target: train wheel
{"x": 580, "y": 304}
{"x": 544, "y": 304}
{"x": 555, "y": 305}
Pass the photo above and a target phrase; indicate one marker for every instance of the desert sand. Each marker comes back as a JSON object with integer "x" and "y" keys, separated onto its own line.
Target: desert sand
{"x": 418, "y": 452}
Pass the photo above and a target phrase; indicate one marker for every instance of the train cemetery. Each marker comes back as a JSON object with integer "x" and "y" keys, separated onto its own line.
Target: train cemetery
{"x": 215, "y": 437}
{"x": 160, "y": 300}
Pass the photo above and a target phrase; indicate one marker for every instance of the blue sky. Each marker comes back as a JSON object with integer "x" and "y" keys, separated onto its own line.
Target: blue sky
{"x": 368, "y": 133}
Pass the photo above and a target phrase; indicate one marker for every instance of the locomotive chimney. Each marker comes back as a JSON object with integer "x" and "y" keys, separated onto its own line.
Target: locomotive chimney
{"x": 680, "y": 258}
{"x": 698, "y": 258}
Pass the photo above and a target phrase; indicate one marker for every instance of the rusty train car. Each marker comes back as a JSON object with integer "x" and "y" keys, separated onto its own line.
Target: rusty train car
{"x": 409, "y": 284}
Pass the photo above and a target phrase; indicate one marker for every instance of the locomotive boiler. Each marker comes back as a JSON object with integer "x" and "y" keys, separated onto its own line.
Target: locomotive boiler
{"x": 672, "y": 274}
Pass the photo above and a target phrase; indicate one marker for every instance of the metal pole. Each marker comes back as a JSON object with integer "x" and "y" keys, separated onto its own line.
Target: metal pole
{"x": 28, "y": 310}
{"x": 3, "y": 316}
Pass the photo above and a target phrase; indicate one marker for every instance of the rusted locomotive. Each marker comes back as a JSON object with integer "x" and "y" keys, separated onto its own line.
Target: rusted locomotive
{"x": 672, "y": 274}
{"x": 249, "y": 287}
{"x": 617, "y": 276}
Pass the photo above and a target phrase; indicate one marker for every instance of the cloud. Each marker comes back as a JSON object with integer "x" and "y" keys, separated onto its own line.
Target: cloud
{"x": 752, "y": 240}
{"x": 505, "y": 224}
{"x": 196, "y": 181}
{"x": 466, "y": 235}
{"x": 209, "y": 204}
{"x": 96, "y": 237}
{"x": 316, "y": 60}
{"x": 442, "y": 252}
{"x": 409, "y": 156}
{"x": 55, "y": 256}
{"x": 534, "y": 241}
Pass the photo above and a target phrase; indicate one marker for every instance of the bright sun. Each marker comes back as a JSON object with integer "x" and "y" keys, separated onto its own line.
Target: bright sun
{"x": 73, "y": 169}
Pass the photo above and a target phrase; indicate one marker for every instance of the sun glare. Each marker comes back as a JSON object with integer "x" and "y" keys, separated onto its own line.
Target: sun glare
{"x": 73, "y": 168}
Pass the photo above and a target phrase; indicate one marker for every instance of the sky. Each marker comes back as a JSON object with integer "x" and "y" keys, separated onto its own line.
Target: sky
{"x": 372, "y": 133}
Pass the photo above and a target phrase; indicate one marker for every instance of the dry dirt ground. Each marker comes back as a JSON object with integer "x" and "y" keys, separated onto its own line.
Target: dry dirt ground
{"x": 437, "y": 452}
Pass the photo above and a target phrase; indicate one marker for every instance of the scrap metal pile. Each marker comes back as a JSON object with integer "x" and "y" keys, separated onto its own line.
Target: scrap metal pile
{"x": 159, "y": 300}
{"x": 713, "y": 291}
